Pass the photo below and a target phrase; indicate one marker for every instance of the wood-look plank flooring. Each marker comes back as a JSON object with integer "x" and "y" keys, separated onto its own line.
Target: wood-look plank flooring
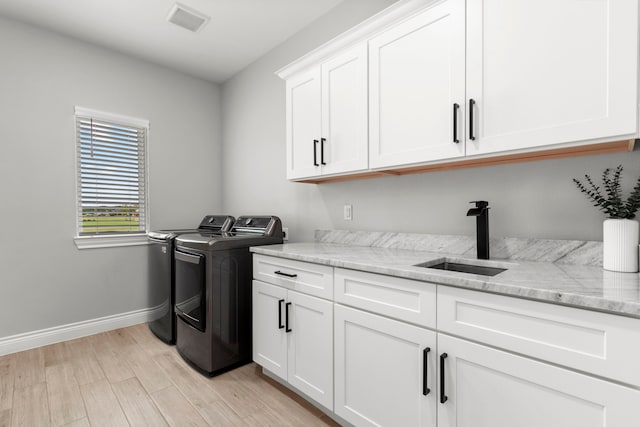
{"x": 127, "y": 377}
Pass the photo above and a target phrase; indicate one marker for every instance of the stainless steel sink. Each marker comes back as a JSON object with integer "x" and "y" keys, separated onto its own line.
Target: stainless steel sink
{"x": 460, "y": 267}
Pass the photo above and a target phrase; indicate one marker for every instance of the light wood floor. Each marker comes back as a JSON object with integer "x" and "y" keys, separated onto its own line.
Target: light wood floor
{"x": 128, "y": 377}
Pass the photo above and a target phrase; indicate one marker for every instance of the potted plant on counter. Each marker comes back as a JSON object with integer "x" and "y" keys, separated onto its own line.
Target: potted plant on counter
{"x": 620, "y": 229}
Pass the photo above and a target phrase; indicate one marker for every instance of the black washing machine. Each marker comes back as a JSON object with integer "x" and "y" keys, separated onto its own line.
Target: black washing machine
{"x": 213, "y": 293}
{"x": 162, "y": 276}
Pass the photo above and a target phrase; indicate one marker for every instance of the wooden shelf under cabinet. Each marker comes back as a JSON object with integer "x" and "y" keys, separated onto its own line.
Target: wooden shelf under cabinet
{"x": 557, "y": 153}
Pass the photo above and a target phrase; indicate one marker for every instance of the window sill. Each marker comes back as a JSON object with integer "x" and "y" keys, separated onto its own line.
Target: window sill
{"x": 93, "y": 242}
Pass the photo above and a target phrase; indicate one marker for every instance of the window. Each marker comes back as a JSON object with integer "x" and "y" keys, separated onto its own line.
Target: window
{"x": 111, "y": 179}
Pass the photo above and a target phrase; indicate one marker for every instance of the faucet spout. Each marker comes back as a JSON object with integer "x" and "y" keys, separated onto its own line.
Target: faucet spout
{"x": 475, "y": 212}
{"x": 481, "y": 212}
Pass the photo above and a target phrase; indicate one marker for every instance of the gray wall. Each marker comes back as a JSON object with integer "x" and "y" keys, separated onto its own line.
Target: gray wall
{"x": 45, "y": 280}
{"x": 535, "y": 199}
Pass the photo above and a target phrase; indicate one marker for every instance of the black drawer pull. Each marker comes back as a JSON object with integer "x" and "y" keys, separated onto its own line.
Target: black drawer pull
{"x": 443, "y": 396}
{"x": 322, "y": 141}
{"x": 280, "y": 273}
{"x": 315, "y": 155}
{"x": 455, "y": 123}
{"x": 472, "y": 104}
{"x": 280, "y": 325}
{"x": 286, "y": 317}
{"x": 425, "y": 366}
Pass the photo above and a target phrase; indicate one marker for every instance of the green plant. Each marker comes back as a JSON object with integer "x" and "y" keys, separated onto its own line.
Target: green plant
{"x": 612, "y": 203}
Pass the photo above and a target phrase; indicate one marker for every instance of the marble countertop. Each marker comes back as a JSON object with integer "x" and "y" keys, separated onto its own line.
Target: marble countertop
{"x": 581, "y": 286}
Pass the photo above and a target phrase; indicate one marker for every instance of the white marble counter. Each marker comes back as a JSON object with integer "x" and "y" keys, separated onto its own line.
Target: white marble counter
{"x": 581, "y": 286}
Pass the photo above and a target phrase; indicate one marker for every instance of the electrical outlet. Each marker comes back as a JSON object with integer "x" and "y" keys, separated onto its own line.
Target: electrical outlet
{"x": 348, "y": 212}
{"x": 285, "y": 234}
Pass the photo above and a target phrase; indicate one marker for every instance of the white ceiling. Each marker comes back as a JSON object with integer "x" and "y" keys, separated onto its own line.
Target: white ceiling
{"x": 239, "y": 32}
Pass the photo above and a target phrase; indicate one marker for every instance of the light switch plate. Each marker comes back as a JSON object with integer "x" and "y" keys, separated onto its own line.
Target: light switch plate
{"x": 348, "y": 212}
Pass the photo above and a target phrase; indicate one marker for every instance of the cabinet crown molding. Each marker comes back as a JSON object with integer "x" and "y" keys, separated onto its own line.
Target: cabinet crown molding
{"x": 397, "y": 12}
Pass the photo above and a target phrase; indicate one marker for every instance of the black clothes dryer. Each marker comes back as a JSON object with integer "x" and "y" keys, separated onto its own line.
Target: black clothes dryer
{"x": 213, "y": 293}
{"x": 161, "y": 273}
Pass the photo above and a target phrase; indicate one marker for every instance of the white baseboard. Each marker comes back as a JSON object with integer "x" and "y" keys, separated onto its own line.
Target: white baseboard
{"x": 29, "y": 340}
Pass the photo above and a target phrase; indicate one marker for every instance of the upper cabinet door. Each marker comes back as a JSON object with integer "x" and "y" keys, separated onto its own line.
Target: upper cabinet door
{"x": 344, "y": 112}
{"x": 303, "y": 125}
{"x": 416, "y": 76}
{"x": 545, "y": 72}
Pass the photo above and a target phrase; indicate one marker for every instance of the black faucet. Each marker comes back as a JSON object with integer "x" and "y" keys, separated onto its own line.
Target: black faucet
{"x": 481, "y": 212}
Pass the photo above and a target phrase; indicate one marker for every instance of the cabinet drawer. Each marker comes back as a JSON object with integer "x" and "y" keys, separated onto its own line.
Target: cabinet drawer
{"x": 305, "y": 277}
{"x": 403, "y": 299}
{"x": 593, "y": 342}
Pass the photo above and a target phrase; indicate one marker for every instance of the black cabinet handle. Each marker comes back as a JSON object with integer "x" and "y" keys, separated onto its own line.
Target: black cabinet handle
{"x": 315, "y": 155}
{"x": 280, "y": 273}
{"x": 455, "y": 123}
{"x": 425, "y": 365}
{"x": 443, "y": 396}
{"x": 286, "y": 317}
{"x": 322, "y": 141}
{"x": 280, "y": 325}
{"x": 472, "y": 104}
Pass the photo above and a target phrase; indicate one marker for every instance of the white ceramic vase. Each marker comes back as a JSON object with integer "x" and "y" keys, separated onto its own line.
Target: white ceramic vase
{"x": 620, "y": 245}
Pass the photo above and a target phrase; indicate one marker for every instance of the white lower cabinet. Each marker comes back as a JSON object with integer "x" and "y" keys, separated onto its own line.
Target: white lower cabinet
{"x": 381, "y": 369}
{"x": 372, "y": 352}
{"x": 293, "y": 338}
{"x": 486, "y": 387}
{"x": 310, "y": 349}
{"x": 269, "y": 340}
{"x": 601, "y": 344}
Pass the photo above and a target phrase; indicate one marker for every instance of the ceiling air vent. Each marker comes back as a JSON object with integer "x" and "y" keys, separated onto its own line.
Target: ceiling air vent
{"x": 187, "y": 18}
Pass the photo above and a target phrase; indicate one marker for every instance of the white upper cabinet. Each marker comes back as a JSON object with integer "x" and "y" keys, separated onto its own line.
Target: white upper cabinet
{"x": 303, "y": 124}
{"x": 429, "y": 81}
{"x": 327, "y": 117}
{"x": 544, "y": 72}
{"x": 344, "y": 112}
{"x": 416, "y": 80}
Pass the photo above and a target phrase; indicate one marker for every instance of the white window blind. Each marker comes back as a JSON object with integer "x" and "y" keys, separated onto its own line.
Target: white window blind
{"x": 111, "y": 174}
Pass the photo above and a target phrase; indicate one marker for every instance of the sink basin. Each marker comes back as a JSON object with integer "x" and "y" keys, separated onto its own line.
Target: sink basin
{"x": 464, "y": 268}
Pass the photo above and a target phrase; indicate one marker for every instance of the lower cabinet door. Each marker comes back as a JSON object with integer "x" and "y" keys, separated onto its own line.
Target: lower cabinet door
{"x": 310, "y": 355}
{"x": 380, "y": 375}
{"x": 485, "y": 387}
{"x": 269, "y": 337}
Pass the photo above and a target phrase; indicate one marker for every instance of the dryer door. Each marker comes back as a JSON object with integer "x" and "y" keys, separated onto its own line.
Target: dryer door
{"x": 190, "y": 288}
